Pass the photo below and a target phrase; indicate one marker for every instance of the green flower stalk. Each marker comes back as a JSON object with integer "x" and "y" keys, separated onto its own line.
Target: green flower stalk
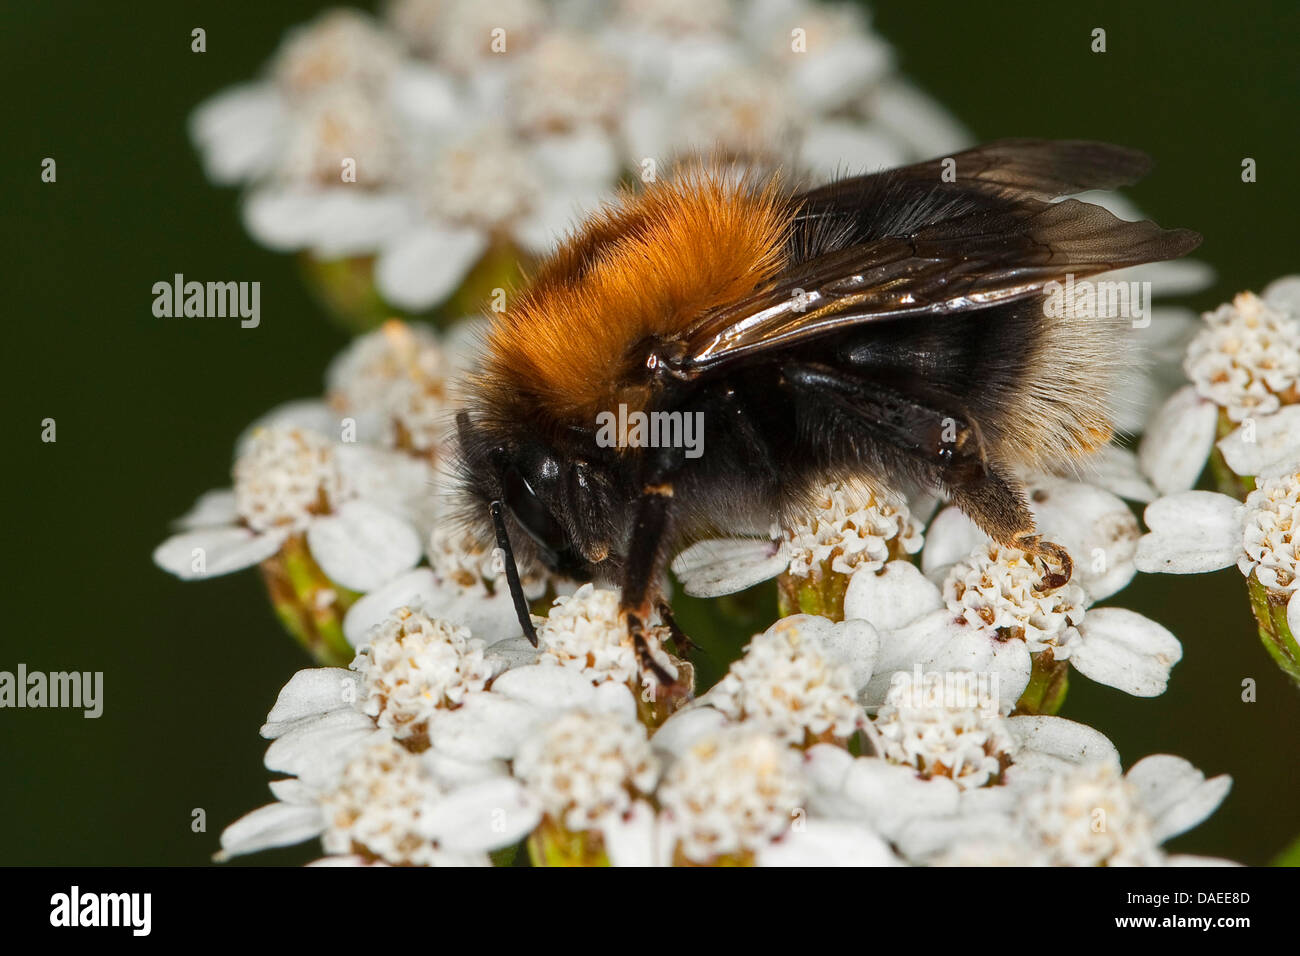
{"x": 308, "y": 603}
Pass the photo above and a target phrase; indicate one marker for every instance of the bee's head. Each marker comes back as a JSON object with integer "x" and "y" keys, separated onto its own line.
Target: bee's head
{"x": 552, "y": 505}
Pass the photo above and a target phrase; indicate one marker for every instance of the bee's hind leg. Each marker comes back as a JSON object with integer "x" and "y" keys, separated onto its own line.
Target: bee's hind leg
{"x": 997, "y": 505}
{"x": 946, "y": 444}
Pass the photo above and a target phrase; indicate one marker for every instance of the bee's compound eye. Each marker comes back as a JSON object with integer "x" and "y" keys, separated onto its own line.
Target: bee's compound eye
{"x": 531, "y": 513}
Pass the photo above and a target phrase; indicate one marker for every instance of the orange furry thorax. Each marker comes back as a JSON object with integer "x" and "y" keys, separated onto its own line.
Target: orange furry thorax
{"x": 640, "y": 270}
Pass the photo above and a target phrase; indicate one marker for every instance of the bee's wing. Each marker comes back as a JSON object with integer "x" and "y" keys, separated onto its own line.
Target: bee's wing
{"x": 903, "y": 243}
{"x": 1025, "y": 168}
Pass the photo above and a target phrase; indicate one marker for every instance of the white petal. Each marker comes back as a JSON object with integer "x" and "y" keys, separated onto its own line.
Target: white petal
{"x": 352, "y": 222}
{"x": 1048, "y": 745}
{"x": 362, "y": 546}
{"x": 292, "y": 790}
{"x": 513, "y": 652}
{"x": 417, "y": 588}
{"x": 1123, "y": 649}
{"x": 951, "y": 537}
{"x": 718, "y": 566}
{"x": 235, "y": 131}
{"x": 218, "y": 551}
{"x": 904, "y": 647}
{"x": 680, "y": 731}
{"x": 334, "y": 222}
{"x": 853, "y": 644}
{"x": 1293, "y": 612}
{"x": 892, "y": 598}
{"x": 421, "y": 267}
{"x": 487, "y": 726}
{"x": 583, "y": 156}
{"x": 1095, "y": 526}
{"x": 212, "y": 509}
{"x": 633, "y": 840}
{"x": 827, "y": 843}
{"x": 1175, "y": 794}
{"x": 1284, "y": 294}
{"x": 546, "y": 685}
{"x": 1008, "y": 662}
{"x": 487, "y": 815}
{"x": 310, "y": 693}
{"x": 922, "y": 839}
{"x": 837, "y": 148}
{"x": 276, "y": 824}
{"x": 889, "y": 795}
{"x": 1187, "y": 859}
{"x": 307, "y": 414}
{"x": 1191, "y": 533}
{"x": 918, "y": 119}
{"x": 424, "y": 97}
{"x": 1116, "y": 469}
{"x": 1177, "y": 443}
{"x": 1274, "y": 448}
{"x": 451, "y": 771}
{"x": 555, "y": 214}
{"x": 838, "y": 73}
{"x": 316, "y": 748}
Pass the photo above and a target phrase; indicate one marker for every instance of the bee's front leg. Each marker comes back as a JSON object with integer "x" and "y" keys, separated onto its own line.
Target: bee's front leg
{"x": 644, "y": 565}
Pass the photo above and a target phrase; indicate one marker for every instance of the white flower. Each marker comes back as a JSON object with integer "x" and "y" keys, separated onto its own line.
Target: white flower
{"x": 731, "y": 794}
{"x": 384, "y": 803}
{"x": 988, "y": 618}
{"x": 1193, "y": 532}
{"x": 412, "y": 665}
{"x": 1272, "y": 534}
{"x": 792, "y": 685}
{"x": 340, "y": 47}
{"x": 848, "y": 526}
{"x": 586, "y": 769}
{"x": 484, "y": 184}
{"x": 568, "y": 82}
{"x": 467, "y": 29}
{"x": 1246, "y": 358}
{"x": 1246, "y": 362}
{"x": 1096, "y": 816}
{"x": 240, "y": 131}
{"x": 953, "y": 739}
{"x": 975, "y": 764}
{"x": 308, "y": 203}
{"x": 584, "y": 633}
{"x": 289, "y": 482}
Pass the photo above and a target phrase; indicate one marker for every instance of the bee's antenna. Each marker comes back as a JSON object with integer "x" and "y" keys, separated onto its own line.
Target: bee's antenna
{"x": 512, "y": 573}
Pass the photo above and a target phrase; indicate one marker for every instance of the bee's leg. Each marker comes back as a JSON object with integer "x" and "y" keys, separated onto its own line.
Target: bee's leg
{"x": 943, "y": 443}
{"x": 640, "y": 574}
{"x": 683, "y": 643}
{"x": 997, "y": 505}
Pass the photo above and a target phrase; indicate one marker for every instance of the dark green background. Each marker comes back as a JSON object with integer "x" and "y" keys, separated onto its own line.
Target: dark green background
{"x": 147, "y": 408}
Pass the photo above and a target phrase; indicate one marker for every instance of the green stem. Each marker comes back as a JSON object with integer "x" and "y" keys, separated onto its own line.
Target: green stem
{"x": 1048, "y": 682}
{"x": 309, "y": 604}
{"x": 1269, "y": 608}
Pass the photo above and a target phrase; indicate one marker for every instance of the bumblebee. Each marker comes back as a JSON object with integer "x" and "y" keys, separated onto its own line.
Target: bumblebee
{"x": 888, "y": 328}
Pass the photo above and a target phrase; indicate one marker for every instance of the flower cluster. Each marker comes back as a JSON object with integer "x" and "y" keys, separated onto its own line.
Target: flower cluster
{"x": 1241, "y": 415}
{"x": 435, "y": 750}
{"x": 446, "y": 135}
